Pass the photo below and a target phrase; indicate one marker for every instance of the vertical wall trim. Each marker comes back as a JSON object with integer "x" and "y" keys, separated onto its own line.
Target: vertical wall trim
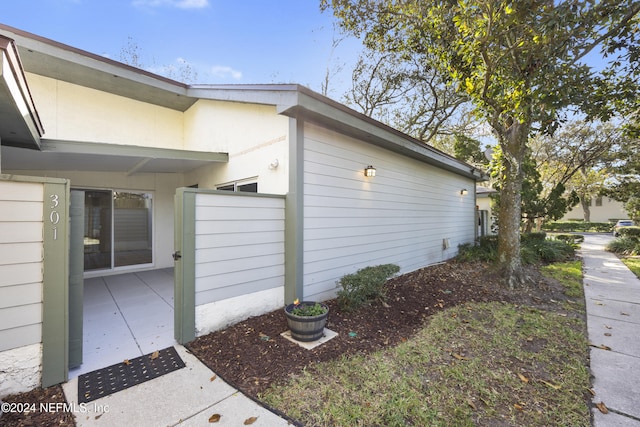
{"x": 55, "y": 294}
{"x": 294, "y": 215}
{"x": 185, "y": 268}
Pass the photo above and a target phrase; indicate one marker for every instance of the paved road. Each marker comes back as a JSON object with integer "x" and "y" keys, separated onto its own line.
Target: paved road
{"x": 612, "y": 295}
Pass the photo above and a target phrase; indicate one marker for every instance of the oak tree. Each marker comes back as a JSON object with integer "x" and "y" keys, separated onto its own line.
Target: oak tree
{"x": 523, "y": 64}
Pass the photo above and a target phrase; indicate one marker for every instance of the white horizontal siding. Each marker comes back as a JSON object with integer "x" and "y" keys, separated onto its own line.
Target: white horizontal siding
{"x": 400, "y": 216}
{"x": 21, "y": 263}
{"x": 239, "y": 245}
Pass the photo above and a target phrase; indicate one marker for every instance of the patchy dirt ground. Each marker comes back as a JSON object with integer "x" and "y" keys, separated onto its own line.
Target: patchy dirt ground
{"x": 252, "y": 355}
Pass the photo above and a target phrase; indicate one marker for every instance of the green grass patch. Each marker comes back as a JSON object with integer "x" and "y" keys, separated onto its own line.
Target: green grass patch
{"x": 477, "y": 364}
{"x": 633, "y": 264}
{"x": 569, "y": 274}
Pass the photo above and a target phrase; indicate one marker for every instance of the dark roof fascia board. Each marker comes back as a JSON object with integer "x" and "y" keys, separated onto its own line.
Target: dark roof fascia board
{"x": 18, "y": 81}
{"x": 56, "y": 60}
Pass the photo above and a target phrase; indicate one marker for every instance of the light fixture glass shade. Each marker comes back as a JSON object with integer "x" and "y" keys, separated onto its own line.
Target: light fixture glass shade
{"x": 369, "y": 171}
{"x": 464, "y": 192}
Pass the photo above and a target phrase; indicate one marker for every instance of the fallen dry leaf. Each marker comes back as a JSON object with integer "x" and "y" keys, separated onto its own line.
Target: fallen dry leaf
{"x": 518, "y": 407}
{"x": 604, "y": 347}
{"x": 607, "y": 334}
{"x": 459, "y": 357}
{"x": 127, "y": 362}
{"x": 213, "y": 378}
{"x": 599, "y": 303}
{"x": 250, "y": 421}
{"x": 214, "y": 418}
{"x": 523, "y": 378}
{"x": 473, "y": 405}
{"x": 608, "y": 327}
{"x": 592, "y": 391}
{"x": 602, "y": 407}
{"x": 553, "y": 386}
{"x": 624, "y": 314}
{"x": 155, "y": 355}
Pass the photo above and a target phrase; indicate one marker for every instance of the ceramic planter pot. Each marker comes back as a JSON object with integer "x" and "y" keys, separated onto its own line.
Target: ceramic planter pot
{"x": 306, "y": 328}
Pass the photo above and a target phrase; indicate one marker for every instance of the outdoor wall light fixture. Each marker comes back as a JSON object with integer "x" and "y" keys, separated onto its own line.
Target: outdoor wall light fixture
{"x": 464, "y": 192}
{"x": 369, "y": 171}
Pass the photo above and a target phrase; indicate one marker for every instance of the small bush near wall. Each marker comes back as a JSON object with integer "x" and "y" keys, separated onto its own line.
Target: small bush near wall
{"x": 364, "y": 286}
{"x": 485, "y": 251}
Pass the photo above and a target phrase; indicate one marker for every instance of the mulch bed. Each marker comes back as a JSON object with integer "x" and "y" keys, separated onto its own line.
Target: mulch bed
{"x": 52, "y": 415}
{"x": 252, "y": 355}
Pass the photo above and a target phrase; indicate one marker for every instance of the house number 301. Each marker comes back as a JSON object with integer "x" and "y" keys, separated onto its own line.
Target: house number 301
{"x": 54, "y": 215}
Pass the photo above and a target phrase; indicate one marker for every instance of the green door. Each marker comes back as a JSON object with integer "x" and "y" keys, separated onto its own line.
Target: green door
{"x": 76, "y": 280}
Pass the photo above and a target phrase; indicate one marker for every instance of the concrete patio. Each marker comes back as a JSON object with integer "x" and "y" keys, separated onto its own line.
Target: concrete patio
{"x": 126, "y": 316}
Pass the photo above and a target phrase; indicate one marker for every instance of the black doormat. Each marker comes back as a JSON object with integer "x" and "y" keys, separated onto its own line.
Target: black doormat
{"x": 106, "y": 381}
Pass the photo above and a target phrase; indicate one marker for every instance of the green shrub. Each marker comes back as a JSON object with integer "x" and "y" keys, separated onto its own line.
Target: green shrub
{"x": 485, "y": 251}
{"x": 624, "y": 246}
{"x": 579, "y": 226}
{"x": 364, "y": 286}
{"x": 631, "y": 232}
{"x": 551, "y": 251}
{"x": 570, "y": 238}
{"x": 533, "y": 250}
{"x": 536, "y": 236}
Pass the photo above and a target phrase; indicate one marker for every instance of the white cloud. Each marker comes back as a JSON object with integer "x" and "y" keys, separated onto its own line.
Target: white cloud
{"x": 224, "y": 72}
{"x": 181, "y": 4}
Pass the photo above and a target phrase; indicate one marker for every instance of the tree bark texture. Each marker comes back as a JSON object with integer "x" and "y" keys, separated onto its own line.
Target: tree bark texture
{"x": 513, "y": 143}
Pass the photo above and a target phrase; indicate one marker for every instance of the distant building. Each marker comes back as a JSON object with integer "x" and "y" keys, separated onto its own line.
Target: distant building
{"x": 602, "y": 209}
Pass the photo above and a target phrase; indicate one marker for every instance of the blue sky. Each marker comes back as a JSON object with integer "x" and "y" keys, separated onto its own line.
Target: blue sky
{"x": 225, "y": 41}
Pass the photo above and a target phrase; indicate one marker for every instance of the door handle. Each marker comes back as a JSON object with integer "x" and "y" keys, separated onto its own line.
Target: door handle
{"x": 176, "y": 255}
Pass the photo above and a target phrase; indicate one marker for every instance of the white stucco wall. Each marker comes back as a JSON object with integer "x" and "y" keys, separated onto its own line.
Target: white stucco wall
{"x": 21, "y": 369}
{"x": 75, "y": 113}
{"x": 402, "y": 215}
{"x": 220, "y": 314}
{"x": 253, "y": 135}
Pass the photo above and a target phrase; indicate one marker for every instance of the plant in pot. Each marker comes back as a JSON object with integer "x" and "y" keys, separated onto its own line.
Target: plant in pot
{"x": 306, "y": 320}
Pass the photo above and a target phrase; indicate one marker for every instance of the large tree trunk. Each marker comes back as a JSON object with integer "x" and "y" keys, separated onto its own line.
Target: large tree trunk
{"x": 513, "y": 143}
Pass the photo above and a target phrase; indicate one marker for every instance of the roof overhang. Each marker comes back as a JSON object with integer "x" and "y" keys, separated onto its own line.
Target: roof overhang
{"x": 314, "y": 107}
{"x": 48, "y": 58}
{"x": 99, "y": 157}
{"x": 301, "y": 103}
{"x": 19, "y": 121}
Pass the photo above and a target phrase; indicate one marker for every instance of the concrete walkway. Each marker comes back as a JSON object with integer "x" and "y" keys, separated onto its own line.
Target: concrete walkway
{"x": 612, "y": 295}
{"x": 187, "y": 397}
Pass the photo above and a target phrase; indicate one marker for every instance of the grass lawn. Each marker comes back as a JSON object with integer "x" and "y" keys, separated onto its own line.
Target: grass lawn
{"x": 634, "y": 264}
{"x": 476, "y": 364}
